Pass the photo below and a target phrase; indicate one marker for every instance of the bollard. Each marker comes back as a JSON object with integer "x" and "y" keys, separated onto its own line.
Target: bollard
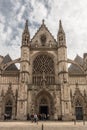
{"x": 74, "y": 122}
{"x": 42, "y": 127}
{"x": 83, "y": 122}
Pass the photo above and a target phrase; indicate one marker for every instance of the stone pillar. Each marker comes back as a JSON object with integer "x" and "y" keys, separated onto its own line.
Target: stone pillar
{"x": 22, "y": 102}
{"x": 66, "y": 102}
{"x": 24, "y": 75}
{"x": 57, "y": 105}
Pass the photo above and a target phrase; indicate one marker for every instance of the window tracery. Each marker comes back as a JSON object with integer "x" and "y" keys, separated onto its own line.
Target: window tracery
{"x": 78, "y": 103}
{"x": 43, "y": 63}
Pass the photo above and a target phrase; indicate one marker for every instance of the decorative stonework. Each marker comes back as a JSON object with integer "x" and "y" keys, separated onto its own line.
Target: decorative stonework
{"x": 43, "y": 64}
{"x": 44, "y": 80}
{"x": 43, "y": 39}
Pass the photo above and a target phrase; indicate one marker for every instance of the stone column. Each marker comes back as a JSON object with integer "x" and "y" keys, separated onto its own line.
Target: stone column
{"x": 66, "y": 102}
{"x": 22, "y": 102}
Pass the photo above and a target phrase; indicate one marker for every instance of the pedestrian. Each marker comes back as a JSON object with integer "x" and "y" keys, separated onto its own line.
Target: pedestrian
{"x": 32, "y": 118}
{"x": 36, "y": 118}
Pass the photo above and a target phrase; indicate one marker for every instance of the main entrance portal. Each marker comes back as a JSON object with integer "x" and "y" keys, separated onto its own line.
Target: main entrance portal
{"x": 44, "y": 103}
{"x": 43, "y": 110}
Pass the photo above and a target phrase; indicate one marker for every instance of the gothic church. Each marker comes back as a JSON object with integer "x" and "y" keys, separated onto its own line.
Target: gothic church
{"x": 44, "y": 83}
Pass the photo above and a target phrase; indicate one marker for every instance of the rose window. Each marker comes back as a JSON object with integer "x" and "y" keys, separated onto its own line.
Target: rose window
{"x": 43, "y": 67}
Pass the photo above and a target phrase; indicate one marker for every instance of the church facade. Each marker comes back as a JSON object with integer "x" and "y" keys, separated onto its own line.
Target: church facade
{"x": 44, "y": 84}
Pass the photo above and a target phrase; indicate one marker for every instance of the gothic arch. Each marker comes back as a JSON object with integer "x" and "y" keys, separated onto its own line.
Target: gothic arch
{"x": 78, "y": 97}
{"x": 44, "y": 92}
{"x": 78, "y": 104}
{"x": 43, "y": 63}
{"x": 8, "y": 100}
{"x": 35, "y": 54}
{"x": 44, "y": 98}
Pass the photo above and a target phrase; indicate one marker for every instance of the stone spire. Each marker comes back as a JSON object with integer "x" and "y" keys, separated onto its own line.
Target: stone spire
{"x": 60, "y": 28}
{"x": 61, "y": 35}
{"x": 26, "y": 35}
{"x": 26, "y": 27}
{"x": 43, "y": 23}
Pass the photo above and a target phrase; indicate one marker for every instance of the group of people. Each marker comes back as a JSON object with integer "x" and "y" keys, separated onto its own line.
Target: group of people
{"x": 35, "y": 117}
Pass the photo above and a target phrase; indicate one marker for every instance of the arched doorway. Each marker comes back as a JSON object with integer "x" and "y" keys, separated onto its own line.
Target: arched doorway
{"x": 44, "y": 106}
{"x": 78, "y": 110}
{"x": 44, "y": 103}
{"x": 8, "y": 109}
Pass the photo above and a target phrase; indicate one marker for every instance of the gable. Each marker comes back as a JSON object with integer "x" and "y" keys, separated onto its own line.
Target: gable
{"x": 43, "y": 38}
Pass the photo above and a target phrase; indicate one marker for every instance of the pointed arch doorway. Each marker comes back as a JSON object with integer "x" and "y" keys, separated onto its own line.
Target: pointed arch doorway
{"x": 78, "y": 110}
{"x": 8, "y": 109}
{"x": 44, "y": 103}
{"x": 44, "y": 106}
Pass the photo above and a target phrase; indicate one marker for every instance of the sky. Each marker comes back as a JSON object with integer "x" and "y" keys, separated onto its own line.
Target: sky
{"x": 13, "y": 14}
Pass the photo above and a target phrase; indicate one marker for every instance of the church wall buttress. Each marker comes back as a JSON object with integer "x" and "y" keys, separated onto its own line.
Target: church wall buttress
{"x": 63, "y": 74}
{"x": 24, "y": 75}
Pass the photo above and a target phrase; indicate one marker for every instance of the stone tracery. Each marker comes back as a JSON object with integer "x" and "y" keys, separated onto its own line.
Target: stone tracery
{"x": 43, "y": 63}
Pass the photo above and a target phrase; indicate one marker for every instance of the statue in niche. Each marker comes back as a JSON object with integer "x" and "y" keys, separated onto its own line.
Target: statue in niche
{"x": 50, "y": 43}
{"x": 23, "y": 77}
{"x": 43, "y": 81}
{"x": 36, "y": 43}
{"x": 43, "y": 39}
{"x": 24, "y": 54}
{"x": 10, "y": 84}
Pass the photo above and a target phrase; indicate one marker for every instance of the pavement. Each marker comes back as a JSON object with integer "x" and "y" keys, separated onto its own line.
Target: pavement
{"x": 43, "y": 125}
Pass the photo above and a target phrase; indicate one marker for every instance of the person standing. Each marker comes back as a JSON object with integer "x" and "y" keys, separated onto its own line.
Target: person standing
{"x": 36, "y": 118}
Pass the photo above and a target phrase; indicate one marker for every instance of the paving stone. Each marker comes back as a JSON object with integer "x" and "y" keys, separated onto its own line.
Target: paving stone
{"x": 46, "y": 126}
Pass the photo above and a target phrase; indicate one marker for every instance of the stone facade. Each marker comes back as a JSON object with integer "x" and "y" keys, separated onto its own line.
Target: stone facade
{"x": 44, "y": 83}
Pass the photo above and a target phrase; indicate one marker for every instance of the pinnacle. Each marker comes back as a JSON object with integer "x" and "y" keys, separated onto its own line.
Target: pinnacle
{"x": 43, "y": 21}
{"x": 26, "y": 27}
{"x": 60, "y": 27}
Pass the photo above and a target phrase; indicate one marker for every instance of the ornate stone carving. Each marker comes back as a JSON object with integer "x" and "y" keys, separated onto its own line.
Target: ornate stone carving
{"x": 43, "y": 39}
{"x": 43, "y": 63}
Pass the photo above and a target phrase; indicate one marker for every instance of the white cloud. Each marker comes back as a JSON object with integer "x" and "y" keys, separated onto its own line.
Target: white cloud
{"x": 73, "y": 14}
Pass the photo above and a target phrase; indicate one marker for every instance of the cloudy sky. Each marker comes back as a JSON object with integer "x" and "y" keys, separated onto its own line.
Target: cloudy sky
{"x": 13, "y": 14}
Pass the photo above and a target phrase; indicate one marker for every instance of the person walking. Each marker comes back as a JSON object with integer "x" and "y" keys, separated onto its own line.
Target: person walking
{"x": 32, "y": 118}
{"x": 36, "y": 118}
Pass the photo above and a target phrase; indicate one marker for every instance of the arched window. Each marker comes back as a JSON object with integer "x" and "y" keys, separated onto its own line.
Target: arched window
{"x": 43, "y": 69}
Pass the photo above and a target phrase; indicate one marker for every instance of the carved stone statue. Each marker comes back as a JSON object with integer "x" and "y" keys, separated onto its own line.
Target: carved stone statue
{"x": 43, "y": 81}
